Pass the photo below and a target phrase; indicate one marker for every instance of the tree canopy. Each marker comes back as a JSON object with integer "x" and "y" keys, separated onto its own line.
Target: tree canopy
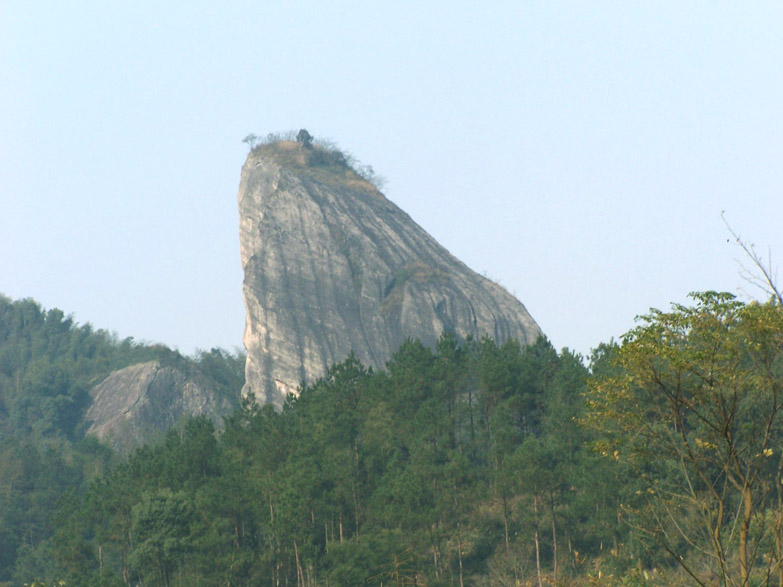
{"x": 461, "y": 464}
{"x": 470, "y": 463}
{"x": 694, "y": 408}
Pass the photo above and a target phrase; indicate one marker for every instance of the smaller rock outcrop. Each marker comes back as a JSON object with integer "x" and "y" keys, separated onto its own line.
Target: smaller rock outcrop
{"x": 143, "y": 401}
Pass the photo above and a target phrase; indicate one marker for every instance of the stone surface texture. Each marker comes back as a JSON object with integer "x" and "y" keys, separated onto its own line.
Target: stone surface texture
{"x": 141, "y": 402}
{"x": 332, "y": 266}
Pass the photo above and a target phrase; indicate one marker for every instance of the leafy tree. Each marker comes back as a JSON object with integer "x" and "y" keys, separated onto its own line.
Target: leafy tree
{"x": 694, "y": 406}
{"x": 444, "y": 468}
{"x": 225, "y": 372}
{"x": 251, "y": 141}
{"x": 305, "y": 138}
{"x": 161, "y": 522}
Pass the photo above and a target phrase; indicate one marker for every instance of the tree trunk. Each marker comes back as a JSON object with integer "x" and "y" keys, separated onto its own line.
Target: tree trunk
{"x": 354, "y": 488}
{"x": 779, "y": 542}
{"x": 779, "y": 523}
{"x": 355, "y": 510}
{"x": 535, "y": 537}
{"x": 459, "y": 554}
{"x": 571, "y": 556}
{"x": 300, "y": 582}
{"x": 472, "y": 425}
{"x": 505, "y": 524}
{"x": 747, "y": 512}
{"x": 438, "y": 561}
{"x": 554, "y": 546}
{"x": 459, "y": 537}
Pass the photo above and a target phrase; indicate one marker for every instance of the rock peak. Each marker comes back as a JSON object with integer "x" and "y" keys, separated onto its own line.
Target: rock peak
{"x": 332, "y": 266}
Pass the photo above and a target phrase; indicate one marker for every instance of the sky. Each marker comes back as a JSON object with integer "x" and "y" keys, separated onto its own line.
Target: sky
{"x": 579, "y": 153}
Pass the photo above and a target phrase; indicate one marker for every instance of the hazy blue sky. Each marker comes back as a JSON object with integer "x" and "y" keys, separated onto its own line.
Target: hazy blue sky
{"x": 578, "y": 152}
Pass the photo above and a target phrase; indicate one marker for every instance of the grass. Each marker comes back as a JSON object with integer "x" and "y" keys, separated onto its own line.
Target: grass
{"x": 323, "y": 161}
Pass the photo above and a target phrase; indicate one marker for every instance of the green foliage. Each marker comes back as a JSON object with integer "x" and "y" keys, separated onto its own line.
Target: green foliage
{"x": 225, "y": 372}
{"x": 466, "y": 463}
{"x": 48, "y": 364}
{"x": 691, "y": 404}
{"x": 305, "y": 138}
{"x": 161, "y": 524}
{"x": 251, "y": 141}
{"x": 443, "y": 467}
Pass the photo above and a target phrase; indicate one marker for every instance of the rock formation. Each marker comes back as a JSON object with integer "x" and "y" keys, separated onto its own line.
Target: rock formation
{"x": 138, "y": 403}
{"x": 332, "y": 266}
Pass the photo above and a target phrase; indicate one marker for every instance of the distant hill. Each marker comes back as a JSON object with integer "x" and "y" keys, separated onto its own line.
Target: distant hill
{"x": 64, "y": 386}
{"x": 59, "y": 379}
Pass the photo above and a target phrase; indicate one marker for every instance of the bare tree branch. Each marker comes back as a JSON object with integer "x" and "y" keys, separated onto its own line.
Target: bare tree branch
{"x": 767, "y": 279}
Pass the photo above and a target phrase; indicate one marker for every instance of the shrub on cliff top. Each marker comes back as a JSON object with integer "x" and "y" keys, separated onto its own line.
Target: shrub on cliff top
{"x": 303, "y": 151}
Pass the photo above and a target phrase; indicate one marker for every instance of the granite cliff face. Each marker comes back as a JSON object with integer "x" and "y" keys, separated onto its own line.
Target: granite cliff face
{"x": 332, "y": 266}
{"x": 138, "y": 403}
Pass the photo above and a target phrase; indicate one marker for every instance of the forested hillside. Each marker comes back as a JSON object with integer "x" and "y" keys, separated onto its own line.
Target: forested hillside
{"x": 463, "y": 465}
{"x": 660, "y": 463}
{"x": 48, "y": 364}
